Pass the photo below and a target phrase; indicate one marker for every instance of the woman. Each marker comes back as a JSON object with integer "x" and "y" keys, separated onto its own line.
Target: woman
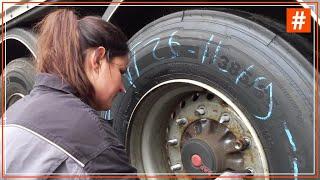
{"x": 56, "y": 129}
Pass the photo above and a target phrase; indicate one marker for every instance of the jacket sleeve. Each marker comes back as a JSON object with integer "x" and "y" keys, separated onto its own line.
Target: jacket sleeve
{"x": 113, "y": 159}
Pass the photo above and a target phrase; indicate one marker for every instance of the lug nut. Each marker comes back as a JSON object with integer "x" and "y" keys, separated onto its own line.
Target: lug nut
{"x": 203, "y": 120}
{"x": 250, "y": 171}
{"x": 247, "y": 141}
{"x": 247, "y": 172}
{"x": 182, "y": 121}
{"x": 238, "y": 146}
{"x": 224, "y": 118}
{"x": 173, "y": 142}
{"x": 242, "y": 144}
{"x": 176, "y": 167}
{"x": 200, "y": 111}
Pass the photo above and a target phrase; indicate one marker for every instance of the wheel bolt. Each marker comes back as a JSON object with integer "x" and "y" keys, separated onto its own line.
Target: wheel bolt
{"x": 242, "y": 144}
{"x": 224, "y": 118}
{"x": 176, "y": 167}
{"x": 173, "y": 142}
{"x": 182, "y": 121}
{"x": 200, "y": 111}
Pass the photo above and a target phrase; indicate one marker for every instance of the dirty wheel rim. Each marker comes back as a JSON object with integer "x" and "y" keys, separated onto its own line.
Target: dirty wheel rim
{"x": 154, "y": 125}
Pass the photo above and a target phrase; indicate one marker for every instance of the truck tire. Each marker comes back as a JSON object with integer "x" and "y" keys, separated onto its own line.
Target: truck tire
{"x": 24, "y": 36}
{"x": 20, "y": 76}
{"x": 246, "y": 92}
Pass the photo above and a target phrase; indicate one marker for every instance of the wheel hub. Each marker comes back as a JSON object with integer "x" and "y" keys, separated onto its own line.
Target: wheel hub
{"x": 196, "y": 153}
{"x": 205, "y": 132}
{"x": 213, "y": 143}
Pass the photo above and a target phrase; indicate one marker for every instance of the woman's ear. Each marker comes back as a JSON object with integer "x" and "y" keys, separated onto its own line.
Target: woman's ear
{"x": 100, "y": 53}
{"x": 96, "y": 57}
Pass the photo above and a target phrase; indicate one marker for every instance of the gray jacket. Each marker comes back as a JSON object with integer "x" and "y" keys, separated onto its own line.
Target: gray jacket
{"x": 52, "y": 132}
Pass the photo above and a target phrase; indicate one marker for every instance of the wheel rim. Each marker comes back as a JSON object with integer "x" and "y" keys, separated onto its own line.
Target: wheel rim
{"x": 164, "y": 128}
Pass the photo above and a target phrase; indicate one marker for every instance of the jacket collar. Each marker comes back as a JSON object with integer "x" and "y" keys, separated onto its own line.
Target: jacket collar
{"x": 53, "y": 81}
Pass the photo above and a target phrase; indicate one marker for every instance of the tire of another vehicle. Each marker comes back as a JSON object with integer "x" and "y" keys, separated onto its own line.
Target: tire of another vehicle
{"x": 261, "y": 73}
{"x": 20, "y": 77}
{"x": 26, "y": 37}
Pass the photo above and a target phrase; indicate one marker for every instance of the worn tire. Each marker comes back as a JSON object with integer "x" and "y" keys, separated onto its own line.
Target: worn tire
{"x": 264, "y": 75}
{"x": 20, "y": 77}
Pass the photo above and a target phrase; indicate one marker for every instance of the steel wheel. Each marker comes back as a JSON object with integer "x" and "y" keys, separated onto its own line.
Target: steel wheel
{"x": 188, "y": 124}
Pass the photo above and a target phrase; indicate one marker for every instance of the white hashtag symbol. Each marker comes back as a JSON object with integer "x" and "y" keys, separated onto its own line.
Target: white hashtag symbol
{"x": 298, "y": 20}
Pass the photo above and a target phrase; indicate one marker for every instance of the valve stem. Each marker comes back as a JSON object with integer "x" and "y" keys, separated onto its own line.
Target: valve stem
{"x": 176, "y": 167}
{"x": 173, "y": 142}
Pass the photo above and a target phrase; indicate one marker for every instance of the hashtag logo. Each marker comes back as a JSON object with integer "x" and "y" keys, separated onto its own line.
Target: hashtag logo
{"x": 298, "y": 20}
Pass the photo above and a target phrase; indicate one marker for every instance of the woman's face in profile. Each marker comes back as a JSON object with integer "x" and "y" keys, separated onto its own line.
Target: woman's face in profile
{"x": 106, "y": 77}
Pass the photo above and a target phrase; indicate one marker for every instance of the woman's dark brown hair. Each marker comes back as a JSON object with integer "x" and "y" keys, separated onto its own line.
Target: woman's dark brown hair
{"x": 62, "y": 43}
